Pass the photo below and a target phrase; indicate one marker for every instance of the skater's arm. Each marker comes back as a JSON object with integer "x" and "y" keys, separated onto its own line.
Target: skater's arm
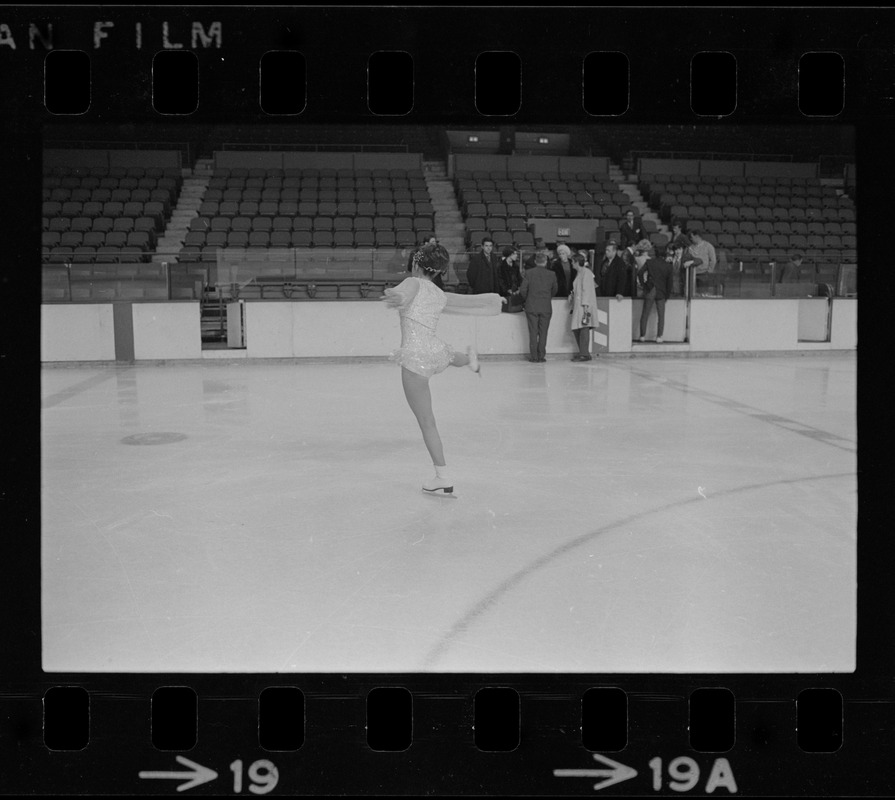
{"x": 475, "y": 304}
{"x": 401, "y": 294}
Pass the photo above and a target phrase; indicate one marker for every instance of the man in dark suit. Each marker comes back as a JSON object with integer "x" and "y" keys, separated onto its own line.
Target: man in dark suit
{"x": 655, "y": 277}
{"x": 615, "y": 277}
{"x": 481, "y": 274}
{"x": 631, "y": 230}
{"x": 539, "y": 286}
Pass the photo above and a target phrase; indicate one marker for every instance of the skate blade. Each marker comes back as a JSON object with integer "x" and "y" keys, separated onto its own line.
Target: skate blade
{"x": 445, "y": 489}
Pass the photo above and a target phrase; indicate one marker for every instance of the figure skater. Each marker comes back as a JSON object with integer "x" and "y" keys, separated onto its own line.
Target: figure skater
{"x": 422, "y": 354}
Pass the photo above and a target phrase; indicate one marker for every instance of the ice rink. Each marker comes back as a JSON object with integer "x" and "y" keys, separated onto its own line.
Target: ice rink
{"x": 620, "y": 515}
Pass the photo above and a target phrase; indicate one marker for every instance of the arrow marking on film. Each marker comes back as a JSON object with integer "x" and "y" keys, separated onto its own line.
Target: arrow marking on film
{"x": 197, "y": 774}
{"x": 615, "y": 774}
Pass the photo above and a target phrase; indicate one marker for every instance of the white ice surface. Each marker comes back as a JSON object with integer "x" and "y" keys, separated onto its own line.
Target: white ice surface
{"x": 621, "y": 515}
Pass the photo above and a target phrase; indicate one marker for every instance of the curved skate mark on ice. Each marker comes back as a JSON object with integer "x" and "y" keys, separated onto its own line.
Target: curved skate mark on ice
{"x": 489, "y": 601}
{"x": 701, "y": 490}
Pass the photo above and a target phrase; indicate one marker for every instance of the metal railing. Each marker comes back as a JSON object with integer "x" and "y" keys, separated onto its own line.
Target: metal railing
{"x": 345, "y": 273}
{"x": 185, "y": 148}
{"x": 314, "y": 147}
{"x": 709, "y": 155}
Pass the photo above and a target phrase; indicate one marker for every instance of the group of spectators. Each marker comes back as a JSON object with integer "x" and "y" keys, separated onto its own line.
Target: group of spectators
{"x": 615, "y": 273}
{"x": 628, "y": 267}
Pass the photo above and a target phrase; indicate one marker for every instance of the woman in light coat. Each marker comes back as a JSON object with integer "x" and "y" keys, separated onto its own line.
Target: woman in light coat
{"x": 583, "y": 302}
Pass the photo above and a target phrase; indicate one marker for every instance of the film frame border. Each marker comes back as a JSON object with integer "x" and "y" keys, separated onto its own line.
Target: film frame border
{"x": 334, "y": 757}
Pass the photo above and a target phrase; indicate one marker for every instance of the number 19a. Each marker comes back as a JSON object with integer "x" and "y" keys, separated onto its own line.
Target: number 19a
{"x": 684, "y": 775}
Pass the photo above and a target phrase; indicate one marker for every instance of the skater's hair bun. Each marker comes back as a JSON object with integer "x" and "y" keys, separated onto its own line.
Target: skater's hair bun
{"x": 432, "y": 258}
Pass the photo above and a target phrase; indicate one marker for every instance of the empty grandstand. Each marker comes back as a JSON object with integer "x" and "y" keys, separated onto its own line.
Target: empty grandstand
{"x": 314, "y": 213}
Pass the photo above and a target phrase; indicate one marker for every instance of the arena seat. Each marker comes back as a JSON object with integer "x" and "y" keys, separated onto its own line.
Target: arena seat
{"x": 94, "y": 239}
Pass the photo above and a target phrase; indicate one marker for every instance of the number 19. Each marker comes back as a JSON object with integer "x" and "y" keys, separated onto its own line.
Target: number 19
{"x": 263, "y": 775}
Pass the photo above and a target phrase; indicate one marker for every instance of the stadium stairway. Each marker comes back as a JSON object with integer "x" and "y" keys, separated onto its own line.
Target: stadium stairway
{"x": 628, "y": 185}
{"x": 195, "y": 183}
{"x": 449, "y": 227}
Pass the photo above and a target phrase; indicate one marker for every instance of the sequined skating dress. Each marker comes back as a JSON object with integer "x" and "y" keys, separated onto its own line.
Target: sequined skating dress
{"x": 421, "y": 351}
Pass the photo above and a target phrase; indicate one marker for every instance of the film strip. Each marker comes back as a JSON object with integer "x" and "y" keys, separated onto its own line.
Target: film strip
{"x": 126, "y": 72}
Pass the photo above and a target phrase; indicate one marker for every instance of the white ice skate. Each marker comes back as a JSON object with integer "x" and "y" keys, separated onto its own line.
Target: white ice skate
{"x": 474, "y": 361}
{"x": 440, "y": 483}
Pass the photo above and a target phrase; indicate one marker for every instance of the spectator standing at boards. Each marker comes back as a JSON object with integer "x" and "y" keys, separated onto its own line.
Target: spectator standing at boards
{"x": 539, "y": 287}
